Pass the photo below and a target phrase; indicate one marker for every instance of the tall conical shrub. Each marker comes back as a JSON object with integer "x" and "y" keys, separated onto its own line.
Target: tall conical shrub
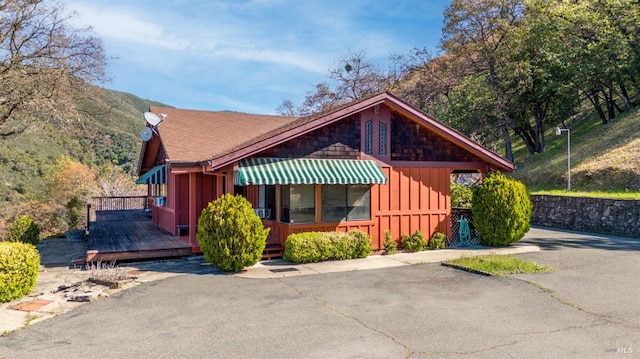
{"x": 230, "y": 234}
{"x": 502, "y": 210}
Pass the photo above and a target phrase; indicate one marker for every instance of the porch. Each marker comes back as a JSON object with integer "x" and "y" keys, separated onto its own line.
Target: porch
{"x": 124, "y": 230}
{"x": 121, "y": 228}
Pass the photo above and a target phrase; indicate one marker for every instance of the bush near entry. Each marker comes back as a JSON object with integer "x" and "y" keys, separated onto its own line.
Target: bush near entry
{"x": 308, "y": 247}
{"x": 390, "y": 246}
{"x": 461, "y": 195}
{"x": 413, "y": 243}
{"x": 23, "y": 229}
{"x": 19, "y": 265}
{"x": 230, "y": 234}
{"x": 502, "y": 210}
{"x": 437, "y": 241}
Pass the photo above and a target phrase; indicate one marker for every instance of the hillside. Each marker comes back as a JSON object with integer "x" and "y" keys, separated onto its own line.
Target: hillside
{"x": 107, "y": 132}
{"x": 604, "y": 158}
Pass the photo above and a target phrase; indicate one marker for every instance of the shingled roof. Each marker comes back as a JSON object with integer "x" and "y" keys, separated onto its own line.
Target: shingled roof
{"x": 191, "y": 136}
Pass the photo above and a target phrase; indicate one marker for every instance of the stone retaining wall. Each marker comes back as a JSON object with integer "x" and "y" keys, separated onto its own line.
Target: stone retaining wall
{"x": 619, "y": 216}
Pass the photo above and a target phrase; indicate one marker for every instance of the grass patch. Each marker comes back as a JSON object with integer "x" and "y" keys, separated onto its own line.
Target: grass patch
{"x": 594, "y": 194}
{"x": 498, "y": 265}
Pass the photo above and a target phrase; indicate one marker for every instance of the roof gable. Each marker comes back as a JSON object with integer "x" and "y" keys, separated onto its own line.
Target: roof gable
{"x": 222, "y": 138}
{"x": 304, "y": 125}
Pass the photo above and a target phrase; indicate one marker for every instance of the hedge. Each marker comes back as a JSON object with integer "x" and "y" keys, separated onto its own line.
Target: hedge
{"x": 308, "y": 247}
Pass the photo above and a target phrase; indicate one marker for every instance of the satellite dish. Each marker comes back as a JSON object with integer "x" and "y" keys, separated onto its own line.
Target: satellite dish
{"x": 153, "y": 119}
{"x": 146, "y": 133}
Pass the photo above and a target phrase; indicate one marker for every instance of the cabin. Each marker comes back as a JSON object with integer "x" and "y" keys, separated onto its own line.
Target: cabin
{"x": 374, "y": 164}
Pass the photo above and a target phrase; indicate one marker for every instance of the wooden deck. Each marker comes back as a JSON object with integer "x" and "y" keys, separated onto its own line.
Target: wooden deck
{"x": 130, "y": 234}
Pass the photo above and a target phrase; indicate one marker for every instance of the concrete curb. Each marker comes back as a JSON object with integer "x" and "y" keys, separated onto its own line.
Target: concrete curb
{"x": 278, "y": 268}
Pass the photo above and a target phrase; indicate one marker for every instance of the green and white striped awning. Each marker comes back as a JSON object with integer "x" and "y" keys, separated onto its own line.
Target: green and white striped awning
{"x": 270, "y": 171}
{"x": 156, "y": 175}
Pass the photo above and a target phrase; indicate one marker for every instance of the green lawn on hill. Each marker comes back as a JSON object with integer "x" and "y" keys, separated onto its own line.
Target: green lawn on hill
{"x": 605, "y": 160}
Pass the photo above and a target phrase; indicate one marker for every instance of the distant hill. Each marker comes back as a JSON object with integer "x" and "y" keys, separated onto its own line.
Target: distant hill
{"x": 106, "y": 132}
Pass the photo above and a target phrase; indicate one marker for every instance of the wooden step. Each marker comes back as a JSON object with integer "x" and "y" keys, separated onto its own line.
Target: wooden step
{"x": 272, "y": 250}
{"x": 271, "y": 255}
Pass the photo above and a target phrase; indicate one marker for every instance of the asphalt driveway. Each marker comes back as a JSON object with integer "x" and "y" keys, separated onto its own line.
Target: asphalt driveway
{"x": 588, "y": 307}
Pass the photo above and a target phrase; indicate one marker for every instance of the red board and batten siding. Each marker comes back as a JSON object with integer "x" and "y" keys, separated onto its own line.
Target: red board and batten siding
{"x": 176, "y": 211}
{"x": 414, "y": 198}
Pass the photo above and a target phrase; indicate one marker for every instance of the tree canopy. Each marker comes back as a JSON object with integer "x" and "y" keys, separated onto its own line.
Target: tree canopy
{"x": 508, "y": 68}
{"x": 44, "y": 60}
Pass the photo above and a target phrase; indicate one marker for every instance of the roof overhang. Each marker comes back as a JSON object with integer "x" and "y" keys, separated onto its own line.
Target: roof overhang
{"x": 156, "y": 175}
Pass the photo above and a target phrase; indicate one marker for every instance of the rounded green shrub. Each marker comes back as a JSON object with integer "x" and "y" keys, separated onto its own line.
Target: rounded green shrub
{"x": 437, "y": 241}
{"x": 461, "y": 195}
{"x": 413, "y": 243}
{"x": 23, "y": 229}
{"x": 230, "y": 234}
{"x": 361, "y": 244}
{"x": 390, "y": 246}
{"x": 502, "y": 210}
{"x": 309, "y": 247}
{"x": 19, "y": 265}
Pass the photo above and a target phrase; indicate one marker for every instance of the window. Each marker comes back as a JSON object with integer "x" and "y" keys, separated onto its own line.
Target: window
{"x": 368, "y": 137}
{"x": 266, "y": 200}
{"x": 298, "y": 203}
{"x": 334, "y": 204}
{"x": 269, "y": 201}
{"x": 159, "y": 190}
{"x": 346, "y": 202}
{"x": 383, "y": 138}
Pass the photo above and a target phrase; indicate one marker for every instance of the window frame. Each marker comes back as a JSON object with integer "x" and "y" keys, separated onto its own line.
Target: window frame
{"x": 347, "y": 207}
{"x": 286, "y": 213}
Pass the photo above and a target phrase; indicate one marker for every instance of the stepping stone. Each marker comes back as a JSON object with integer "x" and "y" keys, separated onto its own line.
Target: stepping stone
{"x": 31, "y": 306}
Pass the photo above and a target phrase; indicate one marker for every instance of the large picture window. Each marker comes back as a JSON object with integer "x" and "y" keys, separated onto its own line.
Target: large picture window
{"x": 298, "y": 203}
{"x": 346, "y": 202}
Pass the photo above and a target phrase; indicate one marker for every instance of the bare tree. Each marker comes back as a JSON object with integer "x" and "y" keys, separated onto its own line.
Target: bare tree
{"x": 287, "y": 108}
{"x": 353, "y": 77}
{"x": 44, "y": 61}
{"x": 356, "y": 77}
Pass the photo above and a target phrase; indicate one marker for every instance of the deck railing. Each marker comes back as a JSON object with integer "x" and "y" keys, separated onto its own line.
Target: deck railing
{"x": 118, "y": 203}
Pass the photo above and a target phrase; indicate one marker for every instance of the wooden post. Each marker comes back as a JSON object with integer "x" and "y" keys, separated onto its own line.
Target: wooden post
{"x": 193, "y": 200}
{"x": 86, "y": 232}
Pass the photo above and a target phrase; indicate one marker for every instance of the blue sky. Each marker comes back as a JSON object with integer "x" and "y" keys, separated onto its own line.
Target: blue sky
{"x": 248, "y": 55}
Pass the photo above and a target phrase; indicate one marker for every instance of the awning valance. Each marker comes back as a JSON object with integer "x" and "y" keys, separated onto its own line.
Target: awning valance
{"x": 271, "y": 171}
{"x": 156, "y": 175}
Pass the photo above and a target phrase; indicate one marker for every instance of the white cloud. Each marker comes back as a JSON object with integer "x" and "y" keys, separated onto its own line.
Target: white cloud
{"x": 122, "y": 25}
{"x": 245, "y": 55}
